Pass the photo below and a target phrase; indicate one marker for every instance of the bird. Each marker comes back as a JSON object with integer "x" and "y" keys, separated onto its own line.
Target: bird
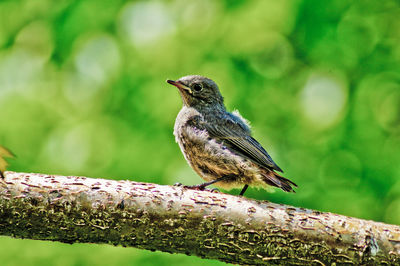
{"x": 218, "y": 144}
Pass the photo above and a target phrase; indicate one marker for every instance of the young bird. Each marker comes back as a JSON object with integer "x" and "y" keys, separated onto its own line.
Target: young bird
{"x": 218, "y": 144}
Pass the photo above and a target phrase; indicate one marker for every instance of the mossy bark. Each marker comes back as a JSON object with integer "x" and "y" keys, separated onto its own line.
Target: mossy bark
{"x": 177, "y": 220}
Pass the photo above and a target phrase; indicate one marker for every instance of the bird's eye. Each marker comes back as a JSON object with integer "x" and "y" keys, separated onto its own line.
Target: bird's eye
{"x": 197, "y": 87}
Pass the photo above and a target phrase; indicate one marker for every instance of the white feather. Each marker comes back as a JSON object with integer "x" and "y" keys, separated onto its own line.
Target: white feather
{"x": 236, "y": 113}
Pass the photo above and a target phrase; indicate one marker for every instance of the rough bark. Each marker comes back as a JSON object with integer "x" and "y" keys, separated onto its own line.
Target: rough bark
{"x": 177, "y": 220}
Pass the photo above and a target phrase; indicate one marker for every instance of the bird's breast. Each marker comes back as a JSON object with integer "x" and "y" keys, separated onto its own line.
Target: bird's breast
{"x": 183, "y": 121}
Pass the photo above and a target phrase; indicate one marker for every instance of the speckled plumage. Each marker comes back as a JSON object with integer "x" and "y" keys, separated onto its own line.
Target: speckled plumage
{"x": 218, "y": 144}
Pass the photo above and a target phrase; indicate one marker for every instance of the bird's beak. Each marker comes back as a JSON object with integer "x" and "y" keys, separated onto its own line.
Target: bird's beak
{"x": 179, "y": 85}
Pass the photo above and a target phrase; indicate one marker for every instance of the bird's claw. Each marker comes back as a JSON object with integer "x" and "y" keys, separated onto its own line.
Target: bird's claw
{"x": 202, "y": 188}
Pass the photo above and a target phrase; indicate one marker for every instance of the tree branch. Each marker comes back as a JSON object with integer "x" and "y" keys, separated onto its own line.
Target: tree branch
{"x": 177, "y": 220}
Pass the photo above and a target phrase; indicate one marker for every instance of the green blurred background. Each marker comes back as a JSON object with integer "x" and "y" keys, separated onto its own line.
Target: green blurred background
{"x": 83, "y": 92}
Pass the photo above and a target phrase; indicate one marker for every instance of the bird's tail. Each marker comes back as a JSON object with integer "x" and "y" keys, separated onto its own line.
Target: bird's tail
{"x": 276, "y": 180}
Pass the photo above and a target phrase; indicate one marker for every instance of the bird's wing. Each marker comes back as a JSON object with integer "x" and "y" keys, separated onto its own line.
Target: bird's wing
{"x": 236, "y": 135}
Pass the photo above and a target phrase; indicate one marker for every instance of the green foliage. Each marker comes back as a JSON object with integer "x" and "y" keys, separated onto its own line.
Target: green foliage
{"x": 83, "y": 92}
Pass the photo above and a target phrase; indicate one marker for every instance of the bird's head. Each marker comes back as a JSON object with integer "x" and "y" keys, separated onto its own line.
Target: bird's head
{"x": 198, "y": 92}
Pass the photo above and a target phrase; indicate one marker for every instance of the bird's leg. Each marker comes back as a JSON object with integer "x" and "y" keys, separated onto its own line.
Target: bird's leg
{"x": 204, "y": 185}
{"x": 243, "y": 190}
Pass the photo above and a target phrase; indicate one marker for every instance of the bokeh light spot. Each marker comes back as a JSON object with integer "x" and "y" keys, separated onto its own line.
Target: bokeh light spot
{"x": 19, "y": 69}
{"x": 323, "y": 100}
{"x": 273, "y": 57}
{"x": 37, "y": 38}
{"x": 355, "y": 30}
{"x": 142, "y": 23}
{"x": 83, "y": 145}
{"x": 98, "y": 59}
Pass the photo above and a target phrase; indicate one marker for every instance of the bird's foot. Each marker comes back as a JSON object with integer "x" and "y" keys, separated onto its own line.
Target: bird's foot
{"x": 202, "y": 187}
{"x": 196, "y": 187}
